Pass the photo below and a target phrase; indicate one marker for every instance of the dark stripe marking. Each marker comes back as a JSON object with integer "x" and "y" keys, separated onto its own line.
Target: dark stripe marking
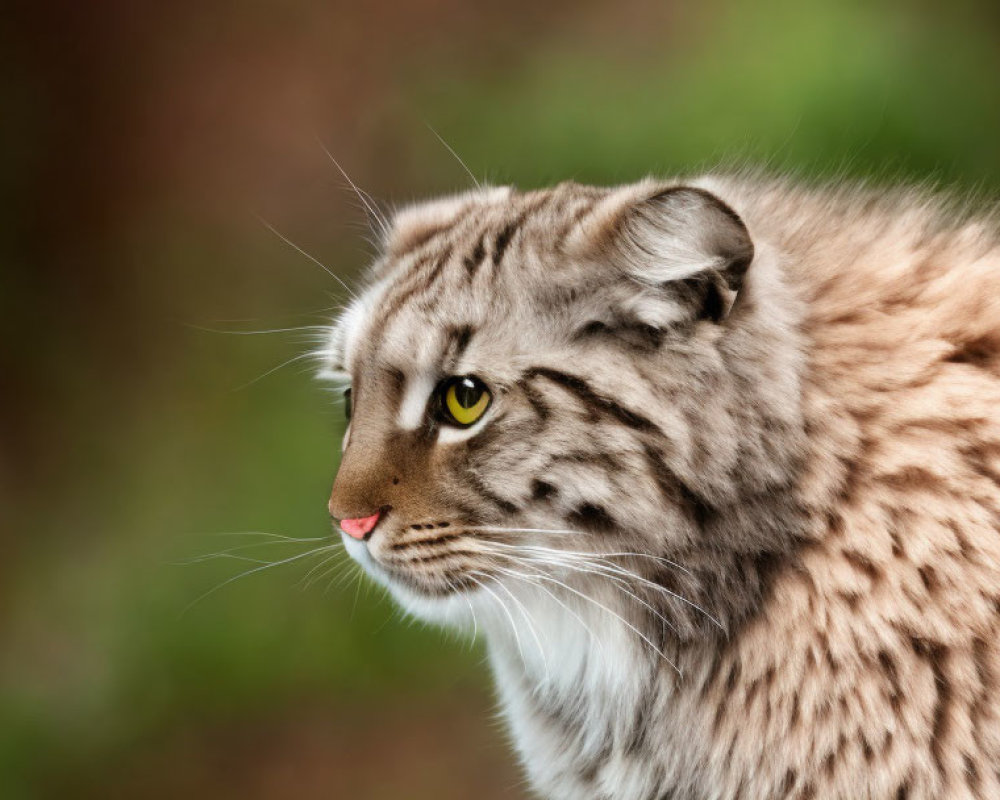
{"x": 592, "y": 518}
{"x": 436, "y": 272}
{"x": 936, "y": 655}
{"x": 666, "y": 480}
{"x": 863, "y": 564}
{"x": 542, "y": 490}
{"x": 577, "y": 218}
{"x": 504, "y": 238}
{"x": 538, "y": 405}
{"x": 426, "y": 540}
{"x": 416, "y": 284}
{"x": 458, "y": 342}
{"x": 631, "y": 333}
{"x": 579, "y": 387}
{"x": 487, "y": 494}
{"x": 441, "y": 556}
{"x": 397, "y": 382}
{"x": 473, "y": 260}
{"x": 416, "y": 242}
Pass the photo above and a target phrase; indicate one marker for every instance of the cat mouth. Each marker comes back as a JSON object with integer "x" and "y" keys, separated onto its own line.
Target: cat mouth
{"x": 437, "y": 583}
{"x": 432, "y": 565}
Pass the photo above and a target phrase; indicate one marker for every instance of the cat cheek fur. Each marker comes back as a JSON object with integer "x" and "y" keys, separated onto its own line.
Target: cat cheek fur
{"x": 730, "y": 526}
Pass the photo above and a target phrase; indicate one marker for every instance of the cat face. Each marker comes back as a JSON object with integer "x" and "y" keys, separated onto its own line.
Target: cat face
{"x": 537, "y": 377}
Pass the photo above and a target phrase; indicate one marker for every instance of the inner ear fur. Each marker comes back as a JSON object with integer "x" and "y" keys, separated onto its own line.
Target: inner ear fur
{"x": 688, "y": 242}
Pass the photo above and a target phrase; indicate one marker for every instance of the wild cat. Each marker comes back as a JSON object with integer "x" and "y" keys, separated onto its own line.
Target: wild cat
{"x": 712, "y": 465}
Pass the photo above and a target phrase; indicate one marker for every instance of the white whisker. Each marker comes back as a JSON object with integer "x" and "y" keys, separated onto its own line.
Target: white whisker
{"x": 363, "y": 196}
{"x": 216, "y": 557}
{"x": 273, "y": 535}
{"x": 617, "y": 569}
{"x": 621, "y": 554}
{"x": 601, "y": 564}
{"x": 327, "y": 573}
{"x": 531, "y": 628}
{"x": 458, "y": 158}
{"x": 319, "y": 329}
{"x": 312, "y": 258}
{"x": 353, "y": 571}
{"x": 622, "y": 619}
{"x": 533, "y": 581}
{"x": 475, "y": 622}
{"x": 472, "y": 612}
{"x": 513, "y": 625}
{"x": 311, "y": 354}
{"x": 251, "y": 572}
{"x": 251, "y": 546}
{"x": 306, "y": 581}
{"x": 622, "y": 585}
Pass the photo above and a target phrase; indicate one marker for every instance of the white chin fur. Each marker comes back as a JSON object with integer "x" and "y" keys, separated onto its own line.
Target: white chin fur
{"x": 452, "y": 610}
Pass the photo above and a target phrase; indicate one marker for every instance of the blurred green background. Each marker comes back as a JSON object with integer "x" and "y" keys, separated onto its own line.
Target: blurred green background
{"x": 140, "y": 141}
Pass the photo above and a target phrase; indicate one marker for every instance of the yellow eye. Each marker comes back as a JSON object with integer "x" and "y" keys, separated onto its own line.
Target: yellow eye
{"x": 464, "y": 400}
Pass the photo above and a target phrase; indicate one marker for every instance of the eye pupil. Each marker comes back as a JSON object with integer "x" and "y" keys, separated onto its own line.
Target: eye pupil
{"x": 463, "y": 400}
{"x": 467, "y": 393}
{"x": 347, "y": 403}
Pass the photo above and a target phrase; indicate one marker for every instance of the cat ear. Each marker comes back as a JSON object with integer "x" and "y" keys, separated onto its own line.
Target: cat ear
{"x": 684, "y": 246}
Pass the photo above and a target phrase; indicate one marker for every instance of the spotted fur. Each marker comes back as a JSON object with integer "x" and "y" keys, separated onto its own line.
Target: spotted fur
{"x": 731, "y": 525}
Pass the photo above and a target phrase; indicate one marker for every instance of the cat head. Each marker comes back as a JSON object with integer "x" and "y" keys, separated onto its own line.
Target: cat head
{"x": 540, "y": 377}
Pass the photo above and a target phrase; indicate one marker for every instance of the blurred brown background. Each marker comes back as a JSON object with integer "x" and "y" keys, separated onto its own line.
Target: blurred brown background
{"x": 139, "y": 419}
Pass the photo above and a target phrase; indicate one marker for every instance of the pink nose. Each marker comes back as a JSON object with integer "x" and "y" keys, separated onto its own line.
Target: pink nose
{"x": 360, "y": 527}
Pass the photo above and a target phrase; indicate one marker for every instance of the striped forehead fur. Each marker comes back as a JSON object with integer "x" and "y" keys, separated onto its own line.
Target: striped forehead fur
{"x": 730, "y": 523}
